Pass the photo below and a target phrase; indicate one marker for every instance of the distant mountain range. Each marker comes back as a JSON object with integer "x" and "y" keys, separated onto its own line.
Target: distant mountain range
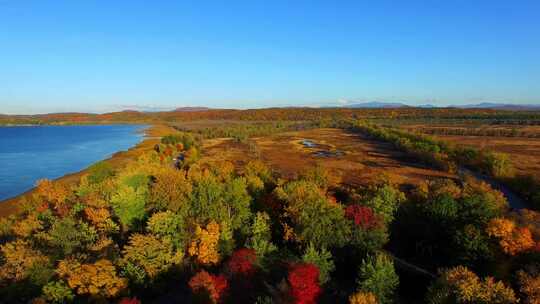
{"x": 191, "y": 109}
{"x": 484, "y": 105}
{"x": 376, "y": 105}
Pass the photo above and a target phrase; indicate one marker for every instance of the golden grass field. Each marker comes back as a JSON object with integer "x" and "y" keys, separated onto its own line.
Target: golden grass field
{"x": 524, "y": 152}
{"x": 362, "y": 161}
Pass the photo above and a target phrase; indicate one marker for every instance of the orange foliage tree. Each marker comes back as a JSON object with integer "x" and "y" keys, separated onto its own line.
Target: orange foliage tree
{"x": 362, "y": 297}
{"x": 512, "y": 239}
{"x": 205, "y": 244}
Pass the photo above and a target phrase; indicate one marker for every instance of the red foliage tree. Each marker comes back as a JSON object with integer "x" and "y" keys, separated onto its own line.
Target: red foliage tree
{"x": 304, "y": 283}
{"x": 129, "y": 301}
{"x": 242, "y": 262}
{"x": 214, "y": 285}
{"x": 362, "y": 216}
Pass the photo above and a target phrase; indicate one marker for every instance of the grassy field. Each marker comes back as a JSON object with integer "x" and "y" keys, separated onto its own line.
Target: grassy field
{"x": 524, "y": 152}
{"x": 352, "y": 157}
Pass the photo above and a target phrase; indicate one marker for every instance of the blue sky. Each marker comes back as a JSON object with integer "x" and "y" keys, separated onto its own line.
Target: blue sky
{"x": 109, "y": 55}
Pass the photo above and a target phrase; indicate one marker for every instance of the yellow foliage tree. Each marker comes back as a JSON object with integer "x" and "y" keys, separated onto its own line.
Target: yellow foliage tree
{"x": 170, "y": 190}
{"x": 19, "y": 257}
{"x": 151, "y": 253}
{"x": 460, "y": 285}
{"x": 204, "y": 245}
{"x": 27, "y": 226}
{"x": 97, "y": 280}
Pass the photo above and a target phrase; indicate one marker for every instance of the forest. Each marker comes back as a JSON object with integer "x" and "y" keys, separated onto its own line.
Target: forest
{"x": 172, "y": 226}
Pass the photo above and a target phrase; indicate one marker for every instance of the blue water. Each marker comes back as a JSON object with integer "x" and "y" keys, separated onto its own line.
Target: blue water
{"x": 31, "y": 153}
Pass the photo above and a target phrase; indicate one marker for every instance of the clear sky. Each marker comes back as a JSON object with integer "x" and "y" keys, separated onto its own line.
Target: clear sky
{"x": 109, "y": 55}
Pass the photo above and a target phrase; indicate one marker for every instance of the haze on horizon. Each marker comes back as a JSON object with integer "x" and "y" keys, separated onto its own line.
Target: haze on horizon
{"x": 99, "y": 56}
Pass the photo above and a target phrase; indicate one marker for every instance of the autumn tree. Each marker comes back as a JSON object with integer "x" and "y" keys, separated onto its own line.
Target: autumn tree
{"x": 460, "y": 285}
{"x": 19, "y": 259}
{"x": 257, "y": 168}
{"x": 168, "y": 226}
{"x": 242, "y": 262}
{"x": 54, "y": 193}
{"x": 362, "y": 297}
{"x": 97, "y": 280}
{"x": 170, "y": 190}
{"x": 204, "y": 246}
{"x": 153, "y": 255}
{"x": 210, "y": 286}
{"x": 512, "y": 240}
{"x": 27, "y": 226}
{"x": 304, "y": 283}
{"x": 529, "y": 286}
{"x": 68, "y": 235}
{"x": 316, "y": 219}
{"x": 369, "y": 232}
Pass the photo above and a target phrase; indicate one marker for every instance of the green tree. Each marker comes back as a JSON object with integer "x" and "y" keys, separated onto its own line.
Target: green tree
{"x": 385, "y": 200}
{"x": 378, "y": 276}
{"x": 58, "y": 292}
{"x": 317, "y": 219}
{"x": 322, "y": 259}
{"x": 68, "y": 235}
{"x": 99, "y": 172}
{"x": 151, "y": 254}
{"x": 261, "y": 236}
{"x": 168, "y": 225}
{"x": 129, "y": 206}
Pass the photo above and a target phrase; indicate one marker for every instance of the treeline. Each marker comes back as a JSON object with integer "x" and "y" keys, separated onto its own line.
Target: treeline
{"x": 495, "y": 132}
{"x": 241, "y": 132}
{"x": 274, "y": 114}
{"x": 445, "y": 156}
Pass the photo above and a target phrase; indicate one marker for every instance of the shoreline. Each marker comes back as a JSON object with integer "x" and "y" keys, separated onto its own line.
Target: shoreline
{"x": 152, "y": 135}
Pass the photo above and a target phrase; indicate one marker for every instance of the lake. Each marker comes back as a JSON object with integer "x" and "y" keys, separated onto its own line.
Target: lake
{"x": 29, "y": 153}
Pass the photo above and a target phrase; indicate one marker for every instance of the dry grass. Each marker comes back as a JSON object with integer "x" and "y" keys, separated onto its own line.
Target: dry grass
{"x": 363, "y": 159}
{"x": 524, "y": 152}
